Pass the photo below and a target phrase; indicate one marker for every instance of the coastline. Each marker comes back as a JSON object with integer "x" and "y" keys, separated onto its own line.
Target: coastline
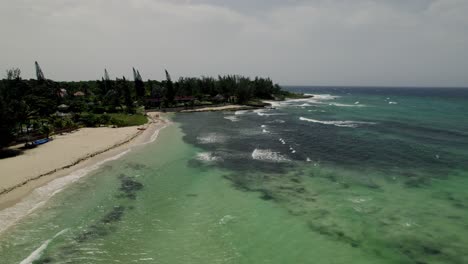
{"x": 18, "y": 192}
{"x": 21, "y": 195}
{"x": 220, "y": 108}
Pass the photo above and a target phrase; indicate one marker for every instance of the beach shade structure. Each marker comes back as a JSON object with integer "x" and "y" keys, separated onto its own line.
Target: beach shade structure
{"x": 63, "y": 107}
{"x": 219, "y": 98}
{"x": 62, "y": 92}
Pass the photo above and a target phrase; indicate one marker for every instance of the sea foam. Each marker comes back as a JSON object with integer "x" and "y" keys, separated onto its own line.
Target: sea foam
{"x": 207, "y": 157}
{"x": 347, "y": 105}
{"x": 36, "y": 254}
{"x": 268, "y": 155}
{"x": 241, "y": 112}
{"x": 352, "y": 124}
{"x": 232, "y": 118}
{"x": 263, "y": 112}
{"x": 211, "y": 138}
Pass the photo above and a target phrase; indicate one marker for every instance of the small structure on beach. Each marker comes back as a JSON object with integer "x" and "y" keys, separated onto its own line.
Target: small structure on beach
{"x": 232, "y": 99}
{"x": 62, "y": 93}
{"x": 219, "y": 98}
{"x": 63, "y": 107}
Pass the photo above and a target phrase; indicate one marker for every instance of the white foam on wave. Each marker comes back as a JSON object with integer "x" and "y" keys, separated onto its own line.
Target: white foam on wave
{"x": 155, "y": 135}
{"x": 241, "y": 112}
{"x": 211, "y": 138}
{"x": 352, "y": 124}
{"x": 392, "y": 103}
{"x": 315, "y": 99}
{"x": 268, "y": 155}
{"x": 36, "y": 254}
{"x": 232, "y": 118}
{"x": 347, "y": 105}
{"x": 39, "y": 196}
{"x": 321, "y": 99}
{"x": 226, "y": 219}
{"x": 277, "y": 121}
{"x": 207, "y": 157}
{"x": 359, "y": 200}
{"x": 323, "y": 96}
{"x": 265, "y": 131}
{"x": 263, "y": 112}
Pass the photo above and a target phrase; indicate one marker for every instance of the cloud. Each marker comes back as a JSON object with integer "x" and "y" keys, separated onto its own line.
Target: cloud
{"x": 361, "y": 42}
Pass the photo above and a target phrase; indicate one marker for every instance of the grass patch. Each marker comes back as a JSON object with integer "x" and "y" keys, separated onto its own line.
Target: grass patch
{"x": 123, "y": 120}
{"x": 114, "y": 119}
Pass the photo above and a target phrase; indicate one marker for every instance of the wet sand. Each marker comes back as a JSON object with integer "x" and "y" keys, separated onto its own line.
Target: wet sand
{"x": 22, "y": 174}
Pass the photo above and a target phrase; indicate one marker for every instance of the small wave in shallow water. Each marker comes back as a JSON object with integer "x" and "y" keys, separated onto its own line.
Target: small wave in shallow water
{"x": 268, "y": 155}
{"x": 347, "y": 105}
{"x": 211, "y": 138}
{"x": 263, "y": 112}
{"x": 352, "y": 124}
{"x": 232, "y": 118}
{"x": 241, "y": 112}
{"x": 36, "y": 254}
{"x": 276, "y": 121}
{"x": 207, "y": 157}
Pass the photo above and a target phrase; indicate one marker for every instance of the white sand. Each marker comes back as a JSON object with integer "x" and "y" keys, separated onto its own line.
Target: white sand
{"x": 36, "y": 167}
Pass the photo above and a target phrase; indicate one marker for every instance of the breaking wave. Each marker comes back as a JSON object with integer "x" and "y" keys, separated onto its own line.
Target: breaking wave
{"x": 262, "y": 112}
{"x": 268, "y": 155}
{"x": 347, "y": 105}
{"x": 211, "y": 138}
{"x": 207, "y": 157}
{"x": 277, "y": 121}
{"x": 232, "y": 118}
{"x": 241, "y": 112}
{"x": 36, "y": 254}
{"x": 352, "y": 124}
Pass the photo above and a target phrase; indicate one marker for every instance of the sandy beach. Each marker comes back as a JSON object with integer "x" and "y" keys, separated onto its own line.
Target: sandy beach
{"x": 20, "y": 175}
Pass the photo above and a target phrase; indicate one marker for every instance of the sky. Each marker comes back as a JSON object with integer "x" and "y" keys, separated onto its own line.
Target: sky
{"x": 302, "y": 42}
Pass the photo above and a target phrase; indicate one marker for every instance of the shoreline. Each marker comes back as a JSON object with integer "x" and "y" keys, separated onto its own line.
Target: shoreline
{"x": 220, "y": 108}
{"x": 18, "y": 201}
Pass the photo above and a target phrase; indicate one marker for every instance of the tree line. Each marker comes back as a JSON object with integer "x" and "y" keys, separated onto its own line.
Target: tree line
{"x": 41, "y": 104}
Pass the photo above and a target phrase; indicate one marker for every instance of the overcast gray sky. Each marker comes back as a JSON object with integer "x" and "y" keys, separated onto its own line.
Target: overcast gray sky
{"x": 317, "y": 42}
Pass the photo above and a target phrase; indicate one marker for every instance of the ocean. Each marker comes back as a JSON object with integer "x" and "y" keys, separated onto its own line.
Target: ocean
{"x": 351, "y": 175}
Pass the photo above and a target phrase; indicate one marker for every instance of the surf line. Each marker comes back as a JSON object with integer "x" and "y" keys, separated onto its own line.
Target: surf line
{"x": 36, "y": 254}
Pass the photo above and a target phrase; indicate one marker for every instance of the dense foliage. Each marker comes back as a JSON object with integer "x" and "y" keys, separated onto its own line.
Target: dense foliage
{"x": 29, "y": 107}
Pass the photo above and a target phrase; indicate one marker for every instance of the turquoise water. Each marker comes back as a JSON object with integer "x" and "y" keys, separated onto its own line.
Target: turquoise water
{"x": 349, "y": 176}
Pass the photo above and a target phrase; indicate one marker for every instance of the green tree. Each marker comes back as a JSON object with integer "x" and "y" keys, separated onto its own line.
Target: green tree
{"x": 13, "y": 74}
{"x": 139, "y": 84}
{"x": 170, "y": 93}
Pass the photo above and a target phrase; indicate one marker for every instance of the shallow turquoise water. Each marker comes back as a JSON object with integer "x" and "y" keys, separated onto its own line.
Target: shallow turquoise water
{"x": 375, "y": 183}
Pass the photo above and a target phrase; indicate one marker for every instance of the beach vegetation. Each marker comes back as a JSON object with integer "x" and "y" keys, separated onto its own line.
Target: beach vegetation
{"x": 34, "y": 108}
